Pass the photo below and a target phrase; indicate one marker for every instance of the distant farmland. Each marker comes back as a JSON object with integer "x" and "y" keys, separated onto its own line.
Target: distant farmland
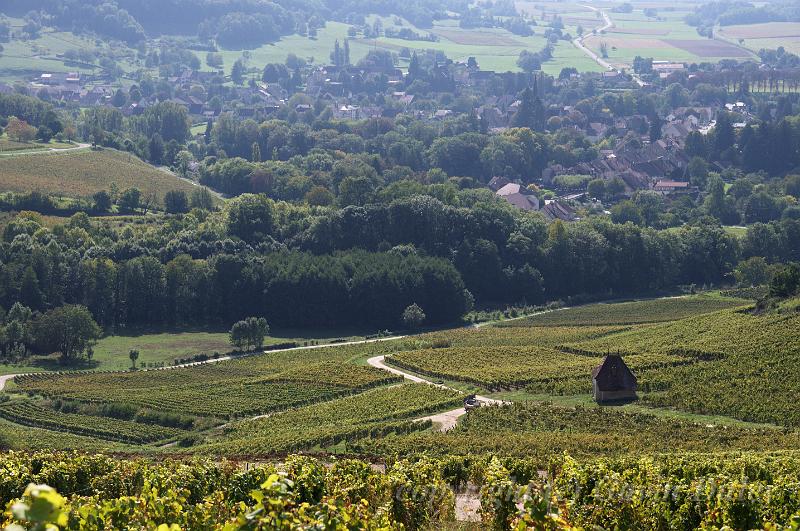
{"x": 82, "y": 173}
{"x": 769, "y": 35}
{"x": 708, "y": 48}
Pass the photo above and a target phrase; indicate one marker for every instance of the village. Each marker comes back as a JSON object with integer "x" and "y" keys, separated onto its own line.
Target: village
{"x": 636, "y": 151}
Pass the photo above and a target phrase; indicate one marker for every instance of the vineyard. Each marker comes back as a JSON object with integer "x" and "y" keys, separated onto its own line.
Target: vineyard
{"x": 754, "y": 374}
{"x": 30, "y": 414}
{"x": 82, "y": 173}
{"x": 106, "y": 493}
{"x": 682, "y": 491}
{"x": 371, "y": 414}
{"x": 540, "y": 431}
{"x": 497, "y": 368}
{"x": 628, "y": 313}
{"x": 244, "y": 387}
{"x": 713, "y": 441}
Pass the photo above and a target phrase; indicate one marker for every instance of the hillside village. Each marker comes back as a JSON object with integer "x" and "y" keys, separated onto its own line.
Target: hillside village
{"x": 647, "y": 151}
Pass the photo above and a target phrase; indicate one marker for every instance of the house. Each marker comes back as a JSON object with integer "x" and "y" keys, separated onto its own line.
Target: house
{"x": 613, "y": 381}
{"x": 554, "y": 209}
{"x": 595, "y": 131}
{"x": 497, "y": 182}
{"x": 676, "y": 131}
{"x": 348, "y": 112}
{"x": 518, "y": 196}
{"x": 669, "y": 187}
{"x": 665, "y": 68}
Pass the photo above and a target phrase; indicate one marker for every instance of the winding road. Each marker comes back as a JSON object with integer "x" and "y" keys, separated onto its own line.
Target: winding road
{"x": 578, "y": 41}
{"x": 607, "y": 24}
{"x": 446, "y": 420}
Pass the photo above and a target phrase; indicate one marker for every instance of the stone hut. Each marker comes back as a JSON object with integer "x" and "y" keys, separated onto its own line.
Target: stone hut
{"x": 613, "y": 381}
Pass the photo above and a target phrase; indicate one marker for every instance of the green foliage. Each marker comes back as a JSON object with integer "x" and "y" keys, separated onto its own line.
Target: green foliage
{"x": 249, "y": 333}
{"x": 305, "y": 494}
{"x": 29, "y": 414}
{"x": 69, "y": 330}
{"x": 413, "y": 317}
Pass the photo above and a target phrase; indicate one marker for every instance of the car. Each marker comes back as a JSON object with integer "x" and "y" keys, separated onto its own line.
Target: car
{"x": 471, "y": 402}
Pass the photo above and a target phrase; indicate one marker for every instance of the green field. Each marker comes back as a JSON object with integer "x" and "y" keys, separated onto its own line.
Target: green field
{"x": 23, "y": 58}
{"x": 80, "y": 174}
{"x": 667, "y": 38}
{"x": 498, "y": 57}
{"x": 12, "y": 147}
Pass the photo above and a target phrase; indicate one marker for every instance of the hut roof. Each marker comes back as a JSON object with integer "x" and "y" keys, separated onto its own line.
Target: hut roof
{"x": 614, "y": 375}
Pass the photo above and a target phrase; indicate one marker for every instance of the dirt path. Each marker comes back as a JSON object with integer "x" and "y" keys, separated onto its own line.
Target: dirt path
{"x": 446, "y": 420}
{"x": 48, "y": 151}
{"x": 5, "y": 378}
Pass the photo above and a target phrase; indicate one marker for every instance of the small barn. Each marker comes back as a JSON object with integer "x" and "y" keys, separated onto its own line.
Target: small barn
{"x": 613, "y": 381}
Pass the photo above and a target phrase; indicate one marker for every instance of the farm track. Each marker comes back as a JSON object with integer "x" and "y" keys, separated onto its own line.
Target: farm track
{"x": 446, "y": 420}
{"x": 48, "y": 151}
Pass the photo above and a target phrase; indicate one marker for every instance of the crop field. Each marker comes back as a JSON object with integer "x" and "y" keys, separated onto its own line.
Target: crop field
{"x": 752, "y": 372}
{"x": 628, "y": 313}
{"x": 7, "y": 145}
{"x": 498, "y": 368}
{"x": 707, "y": 48}
{"x": 666, "y": 38}
{"x": 82, "y": 173}
{"x": 539, "y": 431}
{"x": 698, "y": 359}
{"x": 374, "y": 413}
{"x": 248, "y": 386}
{"x": 28, "y": 413}
{"x": 768, "y": 35}
{"x": 23, "y": 437}
{"x": 477, "y": 38}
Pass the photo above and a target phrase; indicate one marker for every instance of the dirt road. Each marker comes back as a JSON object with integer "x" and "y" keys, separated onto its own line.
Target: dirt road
{"x": 446, "y": 420}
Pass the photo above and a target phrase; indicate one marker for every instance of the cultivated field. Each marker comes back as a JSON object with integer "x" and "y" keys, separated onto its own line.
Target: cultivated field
{"x": 666, "y": 38}
{"x": 627, "y": 313}
{"x": 538, "y": 431}
{"x": 375, "y": 413}
{"x": 691, "y": 356}
{"x": 82, "y": 173}
{"x": 770, "y": 35}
